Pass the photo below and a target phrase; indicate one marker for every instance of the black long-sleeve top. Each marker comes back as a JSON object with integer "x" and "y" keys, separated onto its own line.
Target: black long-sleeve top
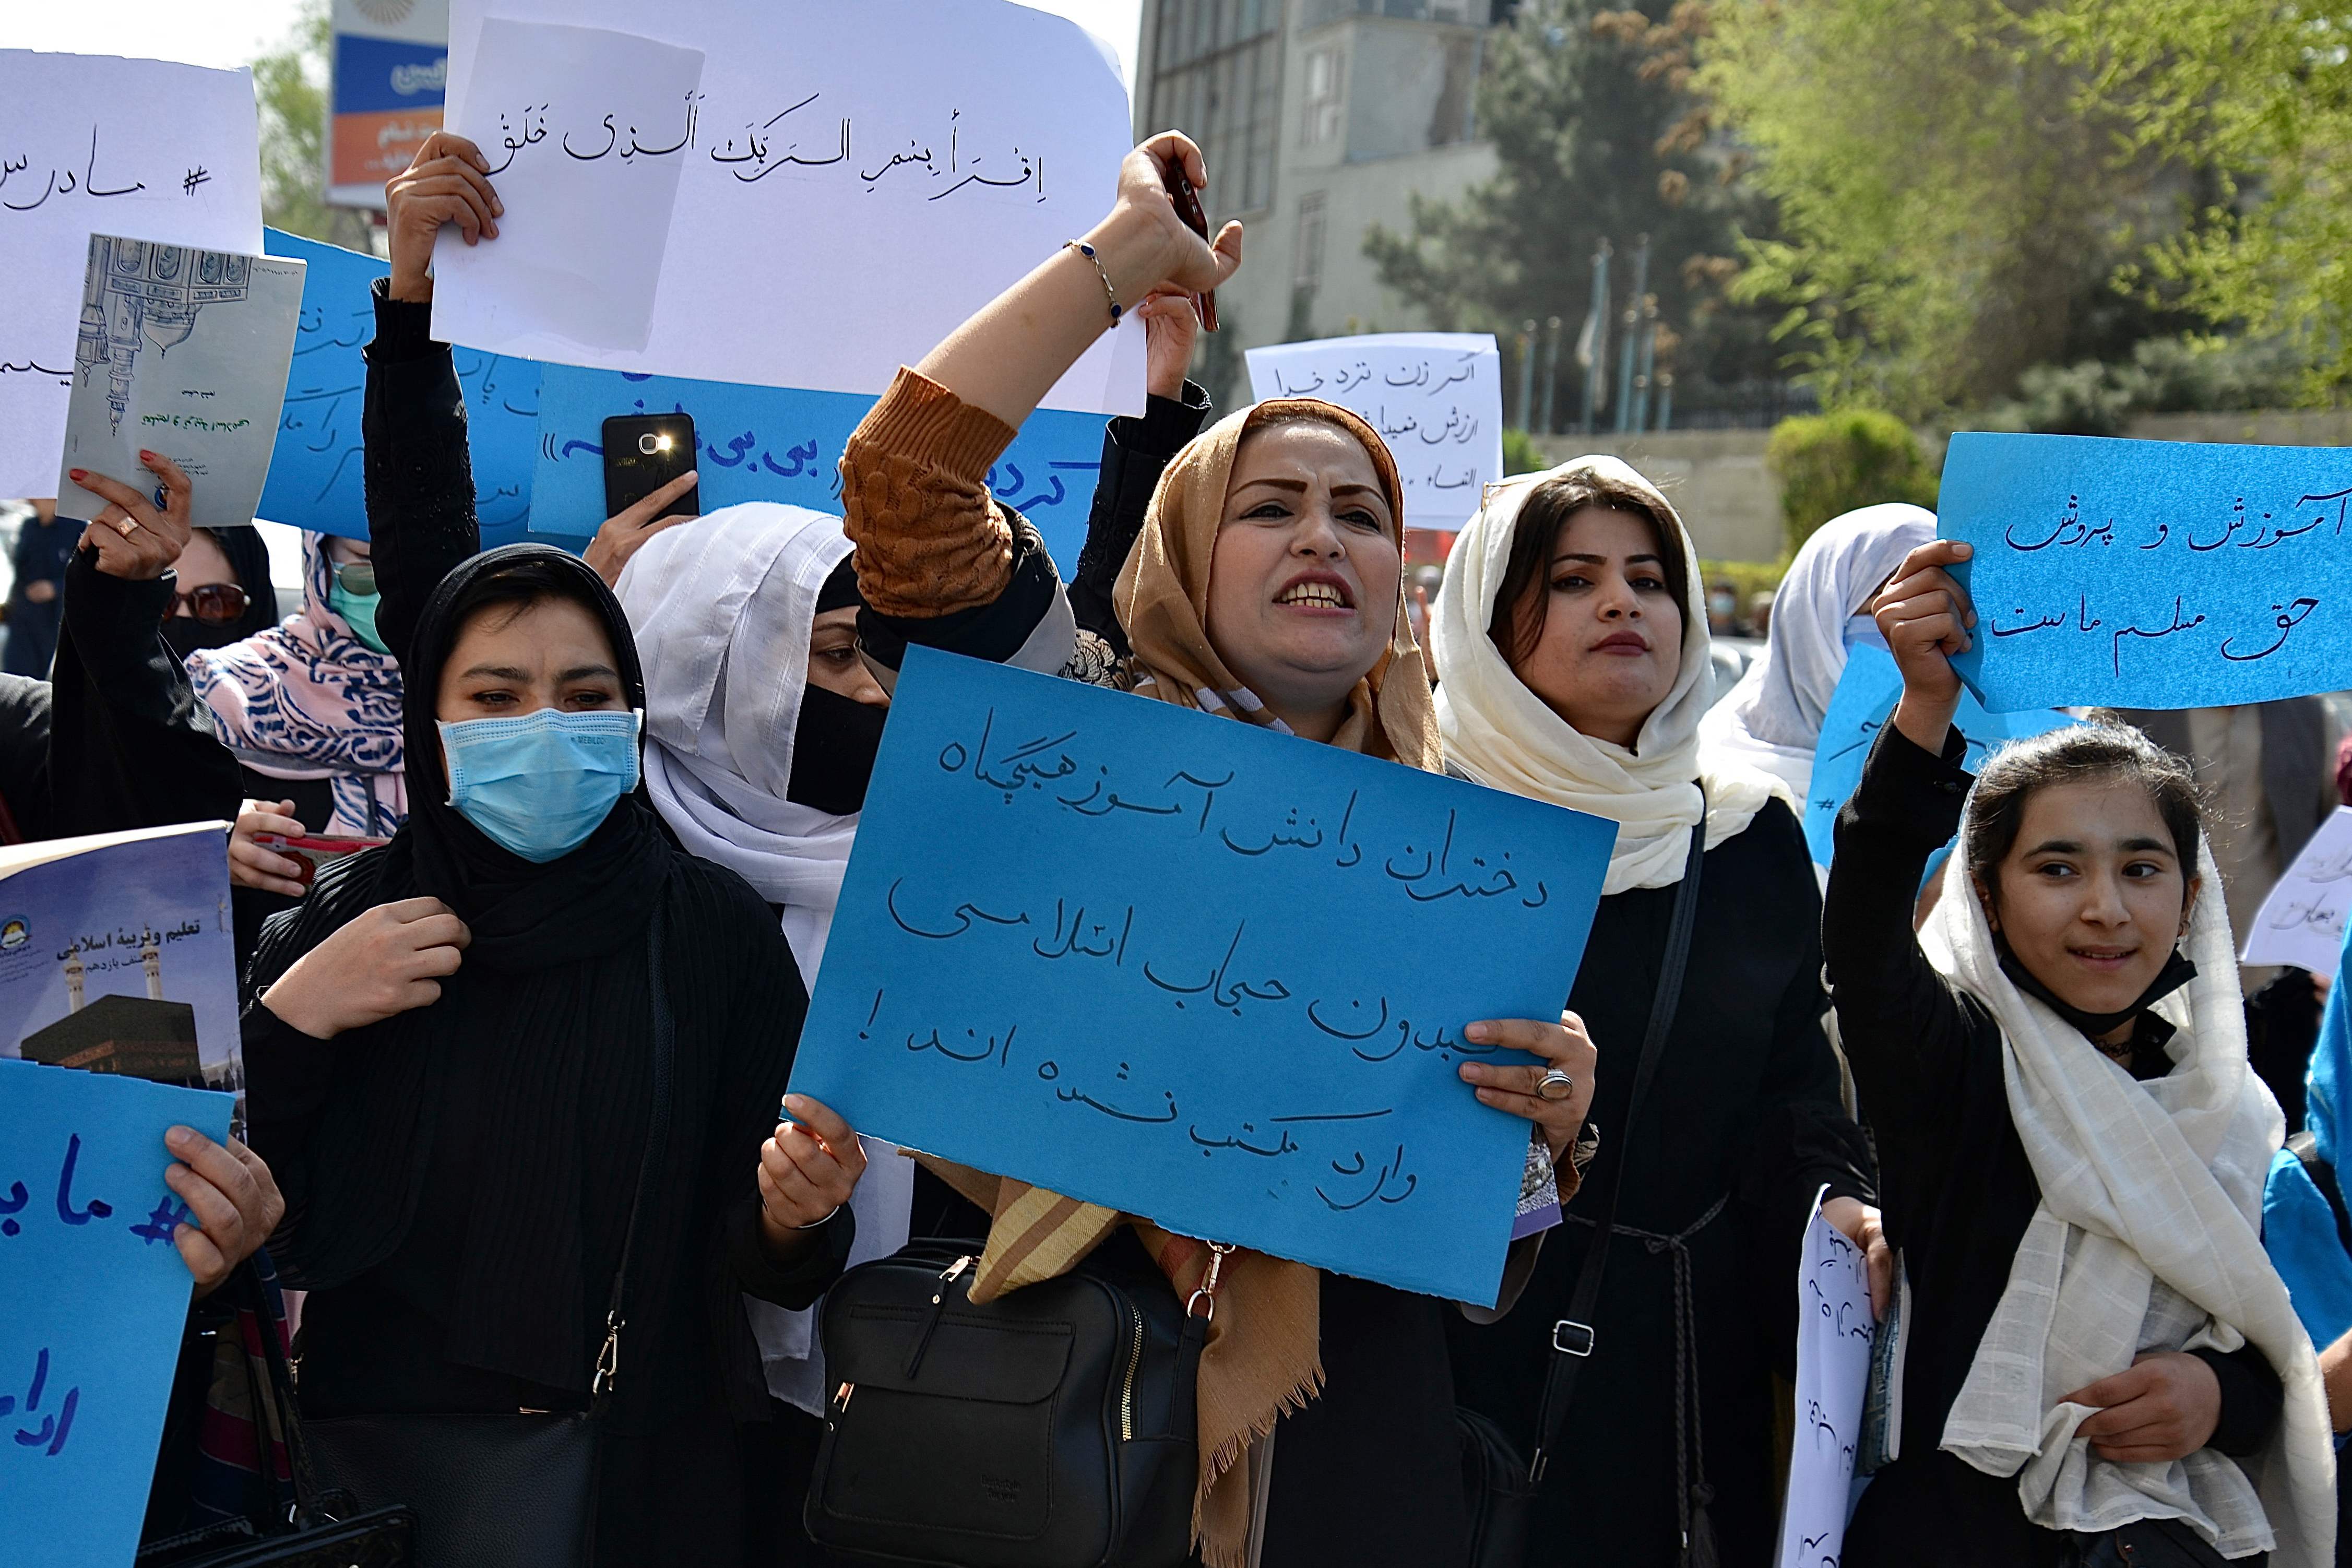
{"x": 1957, "y": 1191}
{"x": 115, "y": 739}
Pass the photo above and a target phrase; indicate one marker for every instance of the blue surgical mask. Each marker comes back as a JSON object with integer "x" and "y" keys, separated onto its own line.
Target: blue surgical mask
{"x": 358, "y": 611}
{"x": 539, "y": 785}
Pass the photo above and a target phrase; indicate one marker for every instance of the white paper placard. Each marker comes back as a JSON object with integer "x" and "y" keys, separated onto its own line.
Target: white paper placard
{"x": 98, "y": 145}
{"x": 185, "y": 353}
{"x": 1835, "y": 1332}
{"x": 854, "y": 180}
{"x": 2302, "y": 921}
{"x": 1436, "y": 397}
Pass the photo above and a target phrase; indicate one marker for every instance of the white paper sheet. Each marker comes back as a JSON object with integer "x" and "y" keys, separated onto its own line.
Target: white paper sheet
{"x": 182, "y": 351}
{"x": 1437, "y": 397}
{"x": 1834, "y": 1335}
{"x": 858, "y": 180}
{"x": 588, "y": 168}
{"x": 2302, "y": 921}
{"x": 93, "y": 143}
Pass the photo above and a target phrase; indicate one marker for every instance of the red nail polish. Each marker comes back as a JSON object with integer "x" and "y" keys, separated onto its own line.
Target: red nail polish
{"x": 78, "y": 475}
{"x": 145, "y": 455}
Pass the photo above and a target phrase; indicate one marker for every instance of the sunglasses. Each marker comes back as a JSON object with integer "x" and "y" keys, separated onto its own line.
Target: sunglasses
{"x": 357, "y": 577}
{"x": 214, "y": 604}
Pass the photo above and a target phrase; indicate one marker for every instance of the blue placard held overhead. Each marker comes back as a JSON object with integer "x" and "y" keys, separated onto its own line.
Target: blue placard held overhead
{"x": 780, "y": 444}
{"x": 1859, "y": 708}
{"x": 315, "y": 478}
{"x": 2150, "y": 573}
{"x": 1196, "y": 970}
{"x": 92, "y": 1298}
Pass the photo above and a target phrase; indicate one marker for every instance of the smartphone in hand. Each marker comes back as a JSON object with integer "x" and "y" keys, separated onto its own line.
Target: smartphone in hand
{"x": 644, "y": 452}
{"x": 1188, "y": 207}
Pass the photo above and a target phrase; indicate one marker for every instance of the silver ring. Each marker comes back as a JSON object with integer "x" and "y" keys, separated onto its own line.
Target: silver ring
{"x": 1555, "y": 1085}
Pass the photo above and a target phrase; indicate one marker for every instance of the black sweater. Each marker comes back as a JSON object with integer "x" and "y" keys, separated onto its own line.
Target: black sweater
{"x": 1958, "y": 1190}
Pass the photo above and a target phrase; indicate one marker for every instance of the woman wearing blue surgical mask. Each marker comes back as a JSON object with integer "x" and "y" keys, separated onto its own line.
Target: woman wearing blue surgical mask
{"x": 449, "y": 1050}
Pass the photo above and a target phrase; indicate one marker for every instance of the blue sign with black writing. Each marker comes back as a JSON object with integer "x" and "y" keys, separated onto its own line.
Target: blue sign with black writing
{"x": 2150, "y": 573}
{"x": 1197, "y": 971}
{"x": 316, "y": 479}
{"x": 1859, "y": 707}
{"x": 93, "y": 1295}
{"x": 782, "y": 443}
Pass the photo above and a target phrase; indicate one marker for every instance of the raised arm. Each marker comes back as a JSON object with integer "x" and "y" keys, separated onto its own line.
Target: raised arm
{"x": 420, "y": 475}
{"x": 128, "y": 745}
{"x": 932, "y": 542}
{"x": 1905, "y": 1029}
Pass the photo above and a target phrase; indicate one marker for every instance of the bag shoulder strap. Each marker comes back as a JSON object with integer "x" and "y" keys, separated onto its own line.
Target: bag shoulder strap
{"x": 2305, "y": 1147}
{"x": 664, "y": 1044}
{"x": 1571, "y": 1336}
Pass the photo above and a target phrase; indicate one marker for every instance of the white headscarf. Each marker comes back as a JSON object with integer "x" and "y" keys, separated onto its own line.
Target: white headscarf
{"x": 723, "y": 608}
{"x": 1773, "y": 718}
{"x": 2147, "y": 1238}
{"x": 1502, "y": 734}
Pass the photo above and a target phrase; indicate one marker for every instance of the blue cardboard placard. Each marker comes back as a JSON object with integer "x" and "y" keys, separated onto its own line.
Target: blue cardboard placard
{"x": 315, "y": 479}
{"x": 92, "y": 1298}
{"x": 1865, "y": 699}
{"x": 1196, "y": 970}
{"x": 2150, "y": 573}
{"x": 782, "y": 443}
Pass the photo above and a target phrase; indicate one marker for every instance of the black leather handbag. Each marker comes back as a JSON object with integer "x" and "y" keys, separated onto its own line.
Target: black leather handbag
{"x": 1499, "y": 1487}
{"x": 506, "y": 1492}
{"x": 1053, "y": 1427}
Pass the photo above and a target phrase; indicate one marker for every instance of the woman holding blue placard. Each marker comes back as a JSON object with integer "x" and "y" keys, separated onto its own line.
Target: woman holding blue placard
{"x": 1571, "y": 647}
{"x": 2101, "y": 1366}
{"x": 1266, "y": 586}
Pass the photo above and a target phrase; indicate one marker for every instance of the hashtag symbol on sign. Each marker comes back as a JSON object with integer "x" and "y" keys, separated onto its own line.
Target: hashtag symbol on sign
{"x": 196, "y": 176}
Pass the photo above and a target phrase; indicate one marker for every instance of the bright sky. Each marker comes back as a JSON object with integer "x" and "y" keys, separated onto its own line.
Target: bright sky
{"x": 232, "y": 34}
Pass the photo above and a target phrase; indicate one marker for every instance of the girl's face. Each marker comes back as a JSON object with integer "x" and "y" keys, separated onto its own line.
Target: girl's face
{"x": 1611, "y": 643}
{"x": 1303, "y": 582}
{"x": 2093, "y": 896}
{"x": 835, "y": 663}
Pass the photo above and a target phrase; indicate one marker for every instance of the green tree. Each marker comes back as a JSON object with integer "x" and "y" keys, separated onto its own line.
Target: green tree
{"x": 1953, "y": 206}
{"x": 290, "y": 86}
{"x": 1597, "y": 136}
{"x": 1830, "y": 464}
{"x": 2261, "y": 91}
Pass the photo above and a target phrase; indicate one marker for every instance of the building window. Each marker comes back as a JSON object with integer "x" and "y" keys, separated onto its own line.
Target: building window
{"x": 1307, "y": 272}
{"x": 1325, "y": 96}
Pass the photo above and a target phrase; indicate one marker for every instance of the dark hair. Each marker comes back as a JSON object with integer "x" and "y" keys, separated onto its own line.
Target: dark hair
{"x": 515, "y": 588}
{"x": 1537, "y": 534}
{"x": 2104, "y": 750}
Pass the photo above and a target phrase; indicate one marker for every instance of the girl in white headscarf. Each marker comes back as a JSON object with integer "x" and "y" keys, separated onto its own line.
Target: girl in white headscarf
{"x": 1571, "y": 650}
{"x": 2103, "y": 1367}
{"x": 1771, "y": 721}
{"x": 764, "y": 724}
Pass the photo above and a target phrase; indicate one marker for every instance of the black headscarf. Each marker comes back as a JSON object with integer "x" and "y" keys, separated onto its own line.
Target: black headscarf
{"x": 524, "y": 915}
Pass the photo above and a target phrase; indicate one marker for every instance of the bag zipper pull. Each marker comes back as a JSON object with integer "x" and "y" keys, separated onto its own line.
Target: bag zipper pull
{"x": 948, "y": 1277}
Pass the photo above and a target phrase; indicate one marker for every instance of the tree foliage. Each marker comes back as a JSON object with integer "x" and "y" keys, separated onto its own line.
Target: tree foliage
{"x": 1830, "y": 464}
{"x": 290, "y": 86}
{"x": 1597, "y": 136}
{"x": 1953, "y": 207}
{"x": 2261, "y": 91}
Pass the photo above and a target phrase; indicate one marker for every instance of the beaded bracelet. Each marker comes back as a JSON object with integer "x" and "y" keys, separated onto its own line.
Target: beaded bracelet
{"x": 1082, "y": 248}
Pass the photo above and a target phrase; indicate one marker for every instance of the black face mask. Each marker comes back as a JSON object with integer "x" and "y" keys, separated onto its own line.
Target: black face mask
{"x": 833, "y": 752}
{"x": 184, "y": 635}
{"x": 2177, "y": 973}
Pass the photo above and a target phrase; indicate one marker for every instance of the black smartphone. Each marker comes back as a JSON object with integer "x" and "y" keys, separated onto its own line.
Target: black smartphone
{"x": 1188, "y": 208}
{"x": 644, "y": 452}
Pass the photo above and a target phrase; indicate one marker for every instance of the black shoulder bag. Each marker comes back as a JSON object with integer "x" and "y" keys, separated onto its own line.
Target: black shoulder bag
{"x": 1052, "y": 1428}
{"x": 1499, "y": 1486}
{"x": 506, "y": 1492}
